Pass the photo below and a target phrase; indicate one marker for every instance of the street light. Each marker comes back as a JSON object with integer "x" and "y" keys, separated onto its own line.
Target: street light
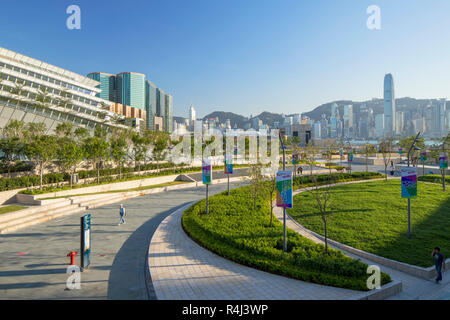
{"x": 413, "y": 145}
{"x": 283, "y": 147}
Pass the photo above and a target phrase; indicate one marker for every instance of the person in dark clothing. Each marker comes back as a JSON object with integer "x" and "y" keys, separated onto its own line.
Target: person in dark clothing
{"x": 439, "y": 263}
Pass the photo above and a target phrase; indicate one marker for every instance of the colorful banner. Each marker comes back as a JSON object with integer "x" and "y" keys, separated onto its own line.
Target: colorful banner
{"x": 206, "y": 171}
{"x": 228, "y": 164}
{"x": 350, "y": 156}
{"x": 341, "y": 152}
{"x": 423, "y": 156}
{"x": 400, "y": 151}
{"x": 295, "y": 159}
{"x": 284, "y": 189}
{"x": 409, "y": 182}
{"x": 443, "y": 160}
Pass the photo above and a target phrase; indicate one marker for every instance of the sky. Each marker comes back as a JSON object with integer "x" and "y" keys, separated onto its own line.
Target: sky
{"x": 244, "y": 56}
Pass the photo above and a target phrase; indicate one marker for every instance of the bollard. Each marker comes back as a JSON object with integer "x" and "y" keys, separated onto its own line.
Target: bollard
{"x": 72, "y": 255}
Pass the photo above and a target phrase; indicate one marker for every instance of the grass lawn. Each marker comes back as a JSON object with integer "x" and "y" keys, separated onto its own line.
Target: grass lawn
{"x": 10, "y": 208}
{"x": 234, "y": 230}
{"x": 172, "y": 183}
{"x": 373, "y": 217}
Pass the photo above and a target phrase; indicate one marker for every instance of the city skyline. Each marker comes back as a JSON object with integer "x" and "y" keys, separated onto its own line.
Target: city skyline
{"x": 232, "y": 54}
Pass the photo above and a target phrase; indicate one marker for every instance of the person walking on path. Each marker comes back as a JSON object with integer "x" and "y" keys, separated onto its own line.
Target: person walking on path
{"x": 439, "y": 263}
{"x": 122, "y": 214}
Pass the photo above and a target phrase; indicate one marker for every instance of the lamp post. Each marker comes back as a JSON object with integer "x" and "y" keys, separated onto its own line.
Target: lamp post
{"x": 413, "y": 145}
{"x": 348, "y": 155}
{"x": 283, "y": 147}
{"x": 443, "y": 169}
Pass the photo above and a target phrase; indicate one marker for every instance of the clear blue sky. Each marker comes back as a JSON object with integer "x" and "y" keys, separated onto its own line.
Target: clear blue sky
{"x": 244, "y": 56}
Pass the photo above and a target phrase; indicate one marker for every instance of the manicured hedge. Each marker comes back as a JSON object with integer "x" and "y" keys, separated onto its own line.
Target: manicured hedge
{"x": 434, "y": 178}
{"x": 235, "y": 231}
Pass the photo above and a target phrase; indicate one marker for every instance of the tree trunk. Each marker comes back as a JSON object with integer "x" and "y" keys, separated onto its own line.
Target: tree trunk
{"x": 98, "y": 172}
{"x": 40, "y": 174}
{"x": 120, "y": 171}
{"x": 326, "y": 237}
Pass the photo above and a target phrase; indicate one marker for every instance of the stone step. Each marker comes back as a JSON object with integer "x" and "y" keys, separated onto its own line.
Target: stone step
{"x": 33, "y": 210}
{"x": 40, "y": 218}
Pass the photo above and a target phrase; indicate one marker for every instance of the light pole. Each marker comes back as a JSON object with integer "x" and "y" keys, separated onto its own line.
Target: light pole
{"x": 348, "y": 155}
{"x": 283, "y": 147}
{"x": 443, "y": 169}
{"x": 413, "y": 145}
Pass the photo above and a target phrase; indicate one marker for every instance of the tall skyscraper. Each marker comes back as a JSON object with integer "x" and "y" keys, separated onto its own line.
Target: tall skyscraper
{"x": 107, "y": 85}
{"x": 168, "y": 113}
{"x": 160, "y": 102}
{"x": 192, "y": 115}
{"x": 131, "y": 89}
{"x": 379, "y": 125}
{"x": 348, "y": 121}
{"x": 150, "y": 104}
{"x": 389, "y": 105}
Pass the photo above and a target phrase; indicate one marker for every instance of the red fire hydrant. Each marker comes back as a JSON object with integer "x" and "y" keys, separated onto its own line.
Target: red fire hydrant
{"x": 72, "y": 255}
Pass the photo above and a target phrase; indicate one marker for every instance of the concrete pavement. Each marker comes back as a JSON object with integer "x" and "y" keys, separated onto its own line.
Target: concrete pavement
{"x": 34, "y": 262}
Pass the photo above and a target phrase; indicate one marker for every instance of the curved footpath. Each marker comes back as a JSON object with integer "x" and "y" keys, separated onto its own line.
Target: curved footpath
{"x": 182, "y": 270}
{"x": 33, "y": 260}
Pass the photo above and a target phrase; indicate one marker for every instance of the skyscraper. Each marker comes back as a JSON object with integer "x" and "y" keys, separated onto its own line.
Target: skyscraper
{"x": 150, "y": 103}
{"x": 107, "y": 85}
{"x": 168, "y": 113}
{"x": 160, "y": 102}
{"x": 131, "y": 89}
{"x": 389, "y": 105}
{"x": 192, "y": 115}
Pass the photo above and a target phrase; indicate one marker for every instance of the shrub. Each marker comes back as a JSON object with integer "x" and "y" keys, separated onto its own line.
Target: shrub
{"x": 235, "y": 231}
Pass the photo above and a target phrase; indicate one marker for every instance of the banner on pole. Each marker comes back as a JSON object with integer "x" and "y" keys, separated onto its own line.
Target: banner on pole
{"x": 85, "y": 240}
{"x": 284, "y": 189}
{"x": 295, "y": 159}
{"x": 423, "y": 156}
{"x": 341, "y": 152}
{"x": 409, "y": 182}
{"x": 206, "y": 171}
{"x": 443, "y": 160}
{"x": 350, "y": 156}
{"x": 228, "y": 164}
{"x": 400, "y": 151}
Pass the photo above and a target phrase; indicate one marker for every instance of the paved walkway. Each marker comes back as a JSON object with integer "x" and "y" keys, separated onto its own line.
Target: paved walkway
{"x": 182, "y": 270}
{"x": 413, "y": 287}
{"x": 33, "y": 260}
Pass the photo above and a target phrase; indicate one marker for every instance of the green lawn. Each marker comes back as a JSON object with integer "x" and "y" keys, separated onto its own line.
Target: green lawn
{"x": 373, "y": 217}
{"x": 10, "y": 208}
{"x": 234, "y": 230}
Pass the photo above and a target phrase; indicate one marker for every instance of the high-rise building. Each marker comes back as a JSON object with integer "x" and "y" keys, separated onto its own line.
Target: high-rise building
{"x": 107, "y": 85}
{"x": 379, "y": 125}
{"x": 399, "y": 122}
{"x": 70, "y": 97}
{"x": 192, "y": 115}
{"x": 389, "y": 105}
{"x": 160, "y": 102}
{"x": 442, "y": 117}
{"x": 150, "y": 103}
{"x": 131, "y": 89}
{"x": 347, "y": 122}
{"x": 168, "y": 113}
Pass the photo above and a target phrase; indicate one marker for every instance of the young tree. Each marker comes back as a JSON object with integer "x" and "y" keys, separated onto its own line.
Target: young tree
{"x": 119, "y": 150}
{"x": 255, "y": 177}
{"x": 160, "y": 144}
{"x": 272, "y": 187}
{"x": 386, "y": 149}
{"x": 323, "y": 199}
{"x": 97, "y": 149}
{"x": 406, "y": 142}
{"x": 41, "y": 150}
{"x": 12, "y": 144}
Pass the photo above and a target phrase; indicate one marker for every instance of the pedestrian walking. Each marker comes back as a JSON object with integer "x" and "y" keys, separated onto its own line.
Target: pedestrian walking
{"x": 301, "y": 170}
{"x": 439, "y": 263}
{"x": 122, "y": 213}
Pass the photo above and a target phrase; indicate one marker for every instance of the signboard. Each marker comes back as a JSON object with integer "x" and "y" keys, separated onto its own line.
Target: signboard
{"x": 85, "y": 241}
{"x": 295, "y": 159}
{"x": 228, "y": 164}
{"x": 400, "y": 151}
{"x": 284, "y": 189}
{"x": 350, "y": 156}
{"x": 443, "y": 160}
{"x": 341, "y": 152}
{"x": 409, "y": 182}
{"x": 206, "y": 171}
{"x": 423, "y": 156}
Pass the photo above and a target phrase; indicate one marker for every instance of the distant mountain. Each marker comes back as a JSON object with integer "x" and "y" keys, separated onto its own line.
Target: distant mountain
{"x": 402, "y": 104}
{"x": 235, "y": 119}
